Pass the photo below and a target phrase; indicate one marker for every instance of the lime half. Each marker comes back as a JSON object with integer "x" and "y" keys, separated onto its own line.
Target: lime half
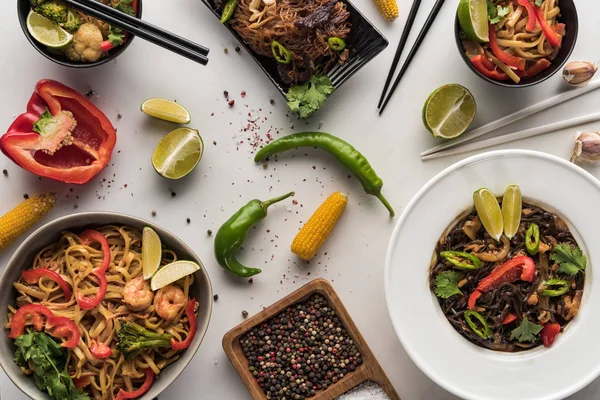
{"x": 178, "y": 153}
{"x": 449, "y": 111}
{"x": 511, "y": 210}
{"x": 151, "y": 252}
{"x": 473, "y": 19}
{"x": 489, "y": 212}
{"x": 172, "y": 272}
{"x": 47, "y": 32}
{"x": 166, "y": 110}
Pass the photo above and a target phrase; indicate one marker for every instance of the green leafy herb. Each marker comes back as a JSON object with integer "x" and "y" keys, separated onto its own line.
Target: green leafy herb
{"x": 306, "y": 98}
{"x": 39, "y": 352}
{"x": 496, "y": 12}
{"x": 539, "y": 2}
{"x": 116, "y": 36}
{"x": 526, "y": 332}
{"x": 446, "y": 284}
{"x": 570, "y": 259}
{"x": 126, "y": 6}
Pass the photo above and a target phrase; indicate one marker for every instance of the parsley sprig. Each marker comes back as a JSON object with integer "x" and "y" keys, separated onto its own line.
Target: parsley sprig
{"x": 526, "y": 332}
{"x": 570, "y": 259}
{"x": 306, "y": 98}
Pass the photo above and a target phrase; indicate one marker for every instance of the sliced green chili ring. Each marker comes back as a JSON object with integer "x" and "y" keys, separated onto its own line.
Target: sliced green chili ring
{"x": 532, "y": 239}
{"x": 228, "y": 10}
{"x": 281, "y": 54}
{"x": 336, "y": 44}
{"x": 484, "y": 332}
{"x": 556, "y": 287}
{"x": 462, "y": 260}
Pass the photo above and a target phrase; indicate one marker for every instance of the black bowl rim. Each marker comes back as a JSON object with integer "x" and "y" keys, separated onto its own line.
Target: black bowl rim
{"x": 527, "y": 82}
{"x": 111, "y": 56}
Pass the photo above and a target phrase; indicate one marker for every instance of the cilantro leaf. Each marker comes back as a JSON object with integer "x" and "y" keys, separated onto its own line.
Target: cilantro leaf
{"x": 126, "y": 6}
{"x": 496, "y": 12}
{"x": 116, "y": 36}
{"x": 446, "y": 284}
{"x": 539, "y": 2}
{"x": 526, "y": 332}
{"x": 306, "y": 98}
{"x": 570, "y": 259}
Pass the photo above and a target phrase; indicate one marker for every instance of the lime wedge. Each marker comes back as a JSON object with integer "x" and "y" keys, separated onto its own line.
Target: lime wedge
{"x": 47, "y": 32}
{"x": 178, "y": 153}
{"x": 449, "y": 111}
{"x": 151, "y": 252}
{"x": 473, "y": 19}
{"x": 511, "y": 210}
{"x": 166, "y": 110}
{"x": 172, "y": 272}
{"x": 489, "y": 212}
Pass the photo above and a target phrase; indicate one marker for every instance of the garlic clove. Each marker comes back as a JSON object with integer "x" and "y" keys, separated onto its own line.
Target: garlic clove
{"x": 579, "y": 73}
{"x": 587, "y": 148}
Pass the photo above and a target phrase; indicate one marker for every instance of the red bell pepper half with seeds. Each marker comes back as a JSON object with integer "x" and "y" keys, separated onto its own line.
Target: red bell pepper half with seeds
{"x": 61, "y": 136}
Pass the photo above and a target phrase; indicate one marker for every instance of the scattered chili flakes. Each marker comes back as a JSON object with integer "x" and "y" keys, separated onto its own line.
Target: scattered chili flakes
{"x": 294, "y": 201}
{"x": 243, "y": 94}
{"x": 231, "y": 102}
{"x": 251, "y": 281}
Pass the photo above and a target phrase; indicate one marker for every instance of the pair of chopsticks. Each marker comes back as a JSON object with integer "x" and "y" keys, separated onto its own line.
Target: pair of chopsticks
{"x": 456, "y": 145}
{"x": 409, "y": 23}
{"x": 145, "y": 30}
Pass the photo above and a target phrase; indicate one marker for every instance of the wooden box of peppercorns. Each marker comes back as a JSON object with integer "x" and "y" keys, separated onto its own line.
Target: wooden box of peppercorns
{"x": 304, "y": 346}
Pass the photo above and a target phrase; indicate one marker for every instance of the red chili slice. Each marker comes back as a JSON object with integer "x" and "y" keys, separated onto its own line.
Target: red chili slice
{"x": 122, "y": 395}
{"x": 485, "y": 66}
{"x": 531, "y": 18}
{"x": 554, "y": 38}
{"x": 100, "y": 350}
{"x": 190, "y": 312}
{"x": 35, "y": 311}
{"x": 33, "y": 276}
{"x": 506, "y": 58}
{"x": 509, "y": 318}
{"x": 87, "y": 237}
{"x": 549, "y": 333}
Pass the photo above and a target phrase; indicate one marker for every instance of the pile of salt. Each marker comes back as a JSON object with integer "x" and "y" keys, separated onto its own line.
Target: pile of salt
{"x": 365, "y": 391}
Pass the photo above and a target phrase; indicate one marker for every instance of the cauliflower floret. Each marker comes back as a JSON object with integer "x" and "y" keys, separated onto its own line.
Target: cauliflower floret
{"x": 86, "y": 44}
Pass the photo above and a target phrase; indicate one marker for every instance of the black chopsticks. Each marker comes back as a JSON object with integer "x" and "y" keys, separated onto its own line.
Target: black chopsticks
{"x": 145, "y": 30}
{"x": 432, "y": 15}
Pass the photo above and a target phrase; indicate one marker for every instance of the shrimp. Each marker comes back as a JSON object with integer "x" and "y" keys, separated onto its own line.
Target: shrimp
{"x": 137, "y": 294}
{"x": 169, "y": 301}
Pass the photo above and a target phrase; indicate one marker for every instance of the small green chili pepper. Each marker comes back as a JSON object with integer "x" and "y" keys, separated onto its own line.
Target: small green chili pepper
{"x": 336, "y": 43}
{"x": 462, "y": 260}
{"x": 281, "y": 54}
{"x": 232, "y": 234}
{"x": 228, "y": 10}
{"x": 532, "y": 239}
{"x": 483, "y": 332}
{"x": 556, "y": 287}
{"x": 350, "y": 158}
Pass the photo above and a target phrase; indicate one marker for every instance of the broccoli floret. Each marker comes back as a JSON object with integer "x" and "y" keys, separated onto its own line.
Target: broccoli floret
{"x": 73, "y": 21}
{"x": 133, "y": 339}
{"x": 55, "y": 11}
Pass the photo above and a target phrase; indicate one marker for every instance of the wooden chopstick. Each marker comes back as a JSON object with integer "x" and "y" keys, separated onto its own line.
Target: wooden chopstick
{"x": 409, "y": 23}
{"x": 430, "y": 19}
{"x": 142, "y": 29}
{"x": 527, "y": 133}
{"x": 526, "y": 112}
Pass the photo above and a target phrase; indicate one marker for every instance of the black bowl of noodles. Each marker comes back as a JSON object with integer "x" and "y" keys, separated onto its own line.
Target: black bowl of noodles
{"x": 50, "y": 233}
{"x": 549, "y": 60}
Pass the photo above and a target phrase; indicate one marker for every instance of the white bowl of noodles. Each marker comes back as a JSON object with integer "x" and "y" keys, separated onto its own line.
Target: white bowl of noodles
{"x": 23, "y": 259}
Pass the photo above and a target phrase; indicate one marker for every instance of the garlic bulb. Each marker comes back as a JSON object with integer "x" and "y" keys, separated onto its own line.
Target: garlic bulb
{"x": 587, "y": 148}
{"x": 579, "y": 73}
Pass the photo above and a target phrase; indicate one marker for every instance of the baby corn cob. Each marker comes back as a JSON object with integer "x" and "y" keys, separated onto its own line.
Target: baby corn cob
{"x": 314, "y": 233}
{"x": 388, "y": 8}
{"x": 17, "y": 221}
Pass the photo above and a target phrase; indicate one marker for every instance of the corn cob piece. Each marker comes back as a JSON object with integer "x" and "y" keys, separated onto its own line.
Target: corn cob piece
{"x": 388, "y": 8}
{"x": 17, "y": 221}
{"x": 314, "y": 233}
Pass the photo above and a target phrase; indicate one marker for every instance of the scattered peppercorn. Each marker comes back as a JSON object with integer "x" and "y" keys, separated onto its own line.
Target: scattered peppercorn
{"x": 231, "y": 102}
{"x": 90, "y": 93}
{"x": 209, "y": 232}
{"x": 272, "y": 101}
{"x": 5, "y": 172}
{"x": 225, "y": 50}
{"x": 215, "y": 142}
{"x": 25, "y": 196}
{"x": 216, "y": 297}
{"x": 244, "y": 313}
{"x": 173, "y": 194}
{"x": 119, "y": 115}
{"x": 188, "y": 220}
{"x": 225, "y": 93}
{"x": 237, "y": 49}
{"x": 154, "y": 213}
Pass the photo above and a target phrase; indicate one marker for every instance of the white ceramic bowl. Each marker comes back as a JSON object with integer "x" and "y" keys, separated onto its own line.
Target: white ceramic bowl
{"x": 463, "y": 368}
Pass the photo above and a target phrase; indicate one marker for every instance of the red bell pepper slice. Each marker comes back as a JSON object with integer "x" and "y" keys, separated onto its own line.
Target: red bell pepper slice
{"x": 549, "y": 333}
{"x": 63, "y": 327}
{"x": 190, "y": 312}
{"x": 100, "y": 350}
{"x": 122, "y": 395}
{"x": 32, "y": 276}
{"x": 536, "y": 68}
{"x": 531, "y": 18}
{"x": 481, "y": 64}
{"x": 60, "y": 327}
{"x": 87, "y": 237}
{"x": 554, "y": 38}
{"x": 82, "y": 382}
{"x": 510, "y": 317}
{"x": 506, "y": 58}
{"x": 74, "y": 148}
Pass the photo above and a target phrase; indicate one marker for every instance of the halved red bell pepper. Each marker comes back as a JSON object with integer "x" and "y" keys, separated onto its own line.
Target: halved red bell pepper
{"x": 531, "y": 18}
{"x": 87, "y": 237}
{"x": 190, "y": 311}
{"x": 100, "y": 350}
{"x": 60, "y": 327}
{"x": 33, "y": 275}
{"x": 122, "y": 395}
{"x": 506, "y": 58}
{"x": 521, "y": 267}
{"x": 482, "y": 64}
{"x": 549, "y": 333}
{"x": 510, "y": 317}
{"x": 554, "y": 38}
{"x": 63, "y": 327}
{"x": 61, "y": 136}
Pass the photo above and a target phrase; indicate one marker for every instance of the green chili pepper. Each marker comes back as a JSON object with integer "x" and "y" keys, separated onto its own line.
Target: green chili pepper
{"x": 462, "y": 260}
{"x": 232, "y": 234}
{"x": 350, "y": 158}
{"x": 336, "y": 43}
{"x": 483, "y": 332}
{"x": 532, "y": 239}
{"x": 281, "y": 54}
{"x": 556, "y": 287}
{"x": 228, "y": 10}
